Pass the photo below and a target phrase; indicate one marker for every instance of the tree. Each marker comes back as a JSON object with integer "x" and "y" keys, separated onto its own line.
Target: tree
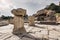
{"x": 6, "y": 17}
{"x": 26, "y": 17}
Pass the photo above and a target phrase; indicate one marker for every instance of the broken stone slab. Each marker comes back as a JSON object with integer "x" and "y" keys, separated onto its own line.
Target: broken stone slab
{"x": 19, "y": 20}
{"x": 31, "y": 20}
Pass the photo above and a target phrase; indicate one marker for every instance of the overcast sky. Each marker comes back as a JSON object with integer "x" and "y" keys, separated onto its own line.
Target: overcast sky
{"x": 32, "y": 6}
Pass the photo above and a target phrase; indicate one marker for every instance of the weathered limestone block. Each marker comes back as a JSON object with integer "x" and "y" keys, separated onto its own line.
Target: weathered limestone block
{"x": 31, "y": 20}
{"x": 19, "y": 20}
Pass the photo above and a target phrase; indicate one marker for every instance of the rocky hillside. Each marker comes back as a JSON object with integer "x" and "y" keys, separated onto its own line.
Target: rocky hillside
{"x": 48, "y": 13}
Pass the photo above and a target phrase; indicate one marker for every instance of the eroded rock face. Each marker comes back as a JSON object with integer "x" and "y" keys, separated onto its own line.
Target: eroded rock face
{"x": 46, "y": 15}
{"x": 58, "y": 19}
{"x": 51, "y": 16}
{"x": 19, "y": 20}
{"x": 31, "y": 20}
{"x": 19, "y": 12}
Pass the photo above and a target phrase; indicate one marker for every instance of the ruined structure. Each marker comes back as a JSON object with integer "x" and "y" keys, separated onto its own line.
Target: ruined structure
{"x": 19, "y": 20}
{"x": 31, "y": 20}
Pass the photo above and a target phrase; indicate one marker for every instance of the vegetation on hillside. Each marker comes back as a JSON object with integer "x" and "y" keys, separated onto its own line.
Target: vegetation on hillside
{"x": 6, "y": 17}
{"x": 10, "y": 17}
{"x": 54, "y": 7}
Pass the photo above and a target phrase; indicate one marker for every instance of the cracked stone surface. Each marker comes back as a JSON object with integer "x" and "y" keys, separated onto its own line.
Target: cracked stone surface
{"x": 37, "y": 32}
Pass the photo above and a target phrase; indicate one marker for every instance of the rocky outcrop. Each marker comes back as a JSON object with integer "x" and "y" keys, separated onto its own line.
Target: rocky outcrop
{"x": 19, "y": 20}
{"x": 45, "y": 15}
{"x": 19, "y": 12}
{"x": 58, "y": 18}
{"x": 31, "y": 20}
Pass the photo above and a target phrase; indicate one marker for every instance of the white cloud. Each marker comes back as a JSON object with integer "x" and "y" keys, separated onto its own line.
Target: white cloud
{"x": 5, "y": 4}
{"x": 33, "y": 5}
{"x": 30, "y": 5}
